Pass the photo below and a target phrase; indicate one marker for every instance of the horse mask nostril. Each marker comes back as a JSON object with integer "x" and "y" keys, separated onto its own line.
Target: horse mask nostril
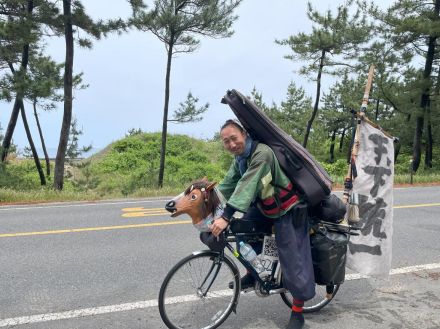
{"x": 170, "y": 206}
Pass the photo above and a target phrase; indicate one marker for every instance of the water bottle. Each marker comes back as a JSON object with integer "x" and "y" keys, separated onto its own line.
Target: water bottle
{"x": 249, "y": 254}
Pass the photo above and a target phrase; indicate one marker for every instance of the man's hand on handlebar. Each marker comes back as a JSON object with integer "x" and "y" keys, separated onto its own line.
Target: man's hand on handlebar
{"x": 218, "y": 226}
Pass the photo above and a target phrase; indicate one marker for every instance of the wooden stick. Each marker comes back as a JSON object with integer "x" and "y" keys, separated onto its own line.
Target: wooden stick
{"x": 355, "y": 146}
{"x": 361, "y": 114}
{"x": 367, "y": 89}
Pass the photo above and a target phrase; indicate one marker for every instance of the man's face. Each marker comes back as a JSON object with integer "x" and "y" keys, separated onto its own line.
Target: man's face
{"x": 233, "y": 139}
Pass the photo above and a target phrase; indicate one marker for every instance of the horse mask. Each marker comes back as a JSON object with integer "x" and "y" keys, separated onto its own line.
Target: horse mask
{"x": 199, "y": 201}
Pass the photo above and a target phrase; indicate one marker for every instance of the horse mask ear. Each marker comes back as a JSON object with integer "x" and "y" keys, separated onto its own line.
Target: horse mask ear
{"x": 211, "y": 186}
{"x": 206, "y": 190}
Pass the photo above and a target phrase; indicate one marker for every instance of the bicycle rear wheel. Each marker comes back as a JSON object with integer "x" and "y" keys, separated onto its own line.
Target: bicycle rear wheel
{"x": 323, "y": 296}
{"x": 195, "y": 294}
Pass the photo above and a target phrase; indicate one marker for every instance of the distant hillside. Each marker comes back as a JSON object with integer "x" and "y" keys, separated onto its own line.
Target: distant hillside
{"x": 133, "y": 163}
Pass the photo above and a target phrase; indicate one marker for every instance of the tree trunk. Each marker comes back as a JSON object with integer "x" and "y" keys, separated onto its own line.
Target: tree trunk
{"x": 19, "y": 97}
{"x": 429, "y": 140}
{"x": 396, "y": 150}
{"x": 43, "y": 144}
{"x": 67, "y": 115}
{"x": 332, "y": 147}
{"x": 165, "y": 116}
{"x": 318, "y": 95}
{"x": 417, "y": 143}
{"x": 341, "y": 141}
{"x": 32, "y": 145}
{"x": 10, "y": 130}
{"x": 424, "y": 102}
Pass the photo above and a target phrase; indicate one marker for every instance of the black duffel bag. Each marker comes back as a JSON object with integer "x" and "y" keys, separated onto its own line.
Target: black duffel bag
{"x": 329, "y": 250}
{"x": 330, "y": 209}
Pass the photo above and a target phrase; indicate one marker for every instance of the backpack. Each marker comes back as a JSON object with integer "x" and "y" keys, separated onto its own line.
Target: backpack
{"x": 309, "y": 178}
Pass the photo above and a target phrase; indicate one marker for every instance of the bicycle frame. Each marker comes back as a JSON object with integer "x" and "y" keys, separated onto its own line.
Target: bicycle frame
{"x": 270, "y": 284}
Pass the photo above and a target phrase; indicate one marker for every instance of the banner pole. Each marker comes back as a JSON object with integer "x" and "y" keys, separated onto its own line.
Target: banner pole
{"x": 352, "y": 214}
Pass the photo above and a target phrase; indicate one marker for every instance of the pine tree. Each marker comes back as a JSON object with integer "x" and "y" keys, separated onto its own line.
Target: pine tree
{"x": 343, "y": 97}
{"x": 414, "y": 27}
{"x": 333, "y": 42}
{"x": 188, "y": 110}
{"x": 19, "y": 31}
{"x": 178, "y": 24}
{"x": 43, "y": 92}
{"x": 22, "y": 25}
{"x": 73, "y": 150}
{"x": 75, "y": 20}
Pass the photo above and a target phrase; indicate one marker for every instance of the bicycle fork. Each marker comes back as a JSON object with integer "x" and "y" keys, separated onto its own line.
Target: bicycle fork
{"x": 209, "y": 279}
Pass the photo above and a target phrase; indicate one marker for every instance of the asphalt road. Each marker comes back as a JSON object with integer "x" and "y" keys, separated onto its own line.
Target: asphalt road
{"x": 100, "y": 265}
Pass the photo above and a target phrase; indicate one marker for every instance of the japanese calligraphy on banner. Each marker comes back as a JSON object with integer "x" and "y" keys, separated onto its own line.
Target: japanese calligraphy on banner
{"x": 370, "y": 252}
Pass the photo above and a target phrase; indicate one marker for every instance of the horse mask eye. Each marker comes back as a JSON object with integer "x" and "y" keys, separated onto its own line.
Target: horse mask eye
{"x": 193, "y": 197}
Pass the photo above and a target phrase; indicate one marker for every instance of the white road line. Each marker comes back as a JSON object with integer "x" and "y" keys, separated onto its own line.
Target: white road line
{"x": 153, "y": 303}
{"x": 85, "y": 204}
{"x": 401, "y": 270}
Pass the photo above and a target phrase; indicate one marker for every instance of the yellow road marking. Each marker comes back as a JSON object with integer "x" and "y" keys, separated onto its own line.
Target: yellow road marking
{"x": 142, "y": 212}
{"x": 143, "y": 209}
{"x": 418, "y": 205}
{"x": 90, "y": 229}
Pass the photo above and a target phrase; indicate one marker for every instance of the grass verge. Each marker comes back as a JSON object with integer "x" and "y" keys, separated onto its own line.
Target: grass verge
{"x": 10, "y": 196}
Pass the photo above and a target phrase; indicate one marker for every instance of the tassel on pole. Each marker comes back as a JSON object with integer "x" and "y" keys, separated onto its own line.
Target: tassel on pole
{"x": 353, "y": 209}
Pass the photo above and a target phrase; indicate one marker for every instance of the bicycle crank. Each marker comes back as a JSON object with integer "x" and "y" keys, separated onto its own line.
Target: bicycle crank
{"x": 260, "y": 290}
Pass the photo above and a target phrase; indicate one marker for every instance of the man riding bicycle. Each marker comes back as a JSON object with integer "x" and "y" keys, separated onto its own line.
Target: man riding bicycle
{"x": 256, "y": 185}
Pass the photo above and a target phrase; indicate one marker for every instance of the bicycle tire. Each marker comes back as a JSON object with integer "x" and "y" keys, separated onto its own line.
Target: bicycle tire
{"x": 181, "y": 301}
{"x": 323, "y": 296}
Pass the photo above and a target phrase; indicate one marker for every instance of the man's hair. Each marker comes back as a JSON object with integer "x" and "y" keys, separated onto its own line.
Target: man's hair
{"x": 233, "y": 123}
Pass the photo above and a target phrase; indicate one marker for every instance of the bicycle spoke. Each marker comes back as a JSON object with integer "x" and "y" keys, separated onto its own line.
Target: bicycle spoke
{"x": 197, "y": 294}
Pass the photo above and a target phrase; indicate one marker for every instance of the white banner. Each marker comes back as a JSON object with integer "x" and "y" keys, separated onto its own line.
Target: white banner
{"x": 370, "y": 252}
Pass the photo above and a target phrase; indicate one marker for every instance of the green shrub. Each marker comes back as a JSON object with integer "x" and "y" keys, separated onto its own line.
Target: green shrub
{"x": 337, "y": 168}
{"x": 130, "y": 167}
{"x": 19, "y": 175}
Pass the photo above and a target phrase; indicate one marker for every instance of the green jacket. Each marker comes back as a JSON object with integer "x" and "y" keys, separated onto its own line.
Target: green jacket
{"x": 264, "y": 182}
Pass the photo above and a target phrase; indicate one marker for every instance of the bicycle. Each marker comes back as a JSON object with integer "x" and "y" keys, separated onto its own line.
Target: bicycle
{"x": 202, "y": 289}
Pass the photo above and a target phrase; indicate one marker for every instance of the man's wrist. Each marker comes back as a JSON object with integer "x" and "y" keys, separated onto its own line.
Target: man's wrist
{"x": 227, "y": 220}
{"x": 227, "y": 213}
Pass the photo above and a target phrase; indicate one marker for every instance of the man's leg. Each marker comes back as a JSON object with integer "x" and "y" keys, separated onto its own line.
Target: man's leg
{"x": 292, "y": 238}
{"x": 253, "y": 214}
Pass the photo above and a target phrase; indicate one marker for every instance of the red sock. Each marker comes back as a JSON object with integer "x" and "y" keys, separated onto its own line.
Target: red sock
{"x": 297, "y": 306}
{"x": 296, "y": 316}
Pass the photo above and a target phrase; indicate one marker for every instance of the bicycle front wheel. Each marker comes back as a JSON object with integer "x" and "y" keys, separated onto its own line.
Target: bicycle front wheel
{"x": 199, "y": 292}
{"x": 323, "y": 296}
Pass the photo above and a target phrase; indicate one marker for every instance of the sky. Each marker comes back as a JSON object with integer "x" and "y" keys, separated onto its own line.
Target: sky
{"x": 126, "y": 74}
